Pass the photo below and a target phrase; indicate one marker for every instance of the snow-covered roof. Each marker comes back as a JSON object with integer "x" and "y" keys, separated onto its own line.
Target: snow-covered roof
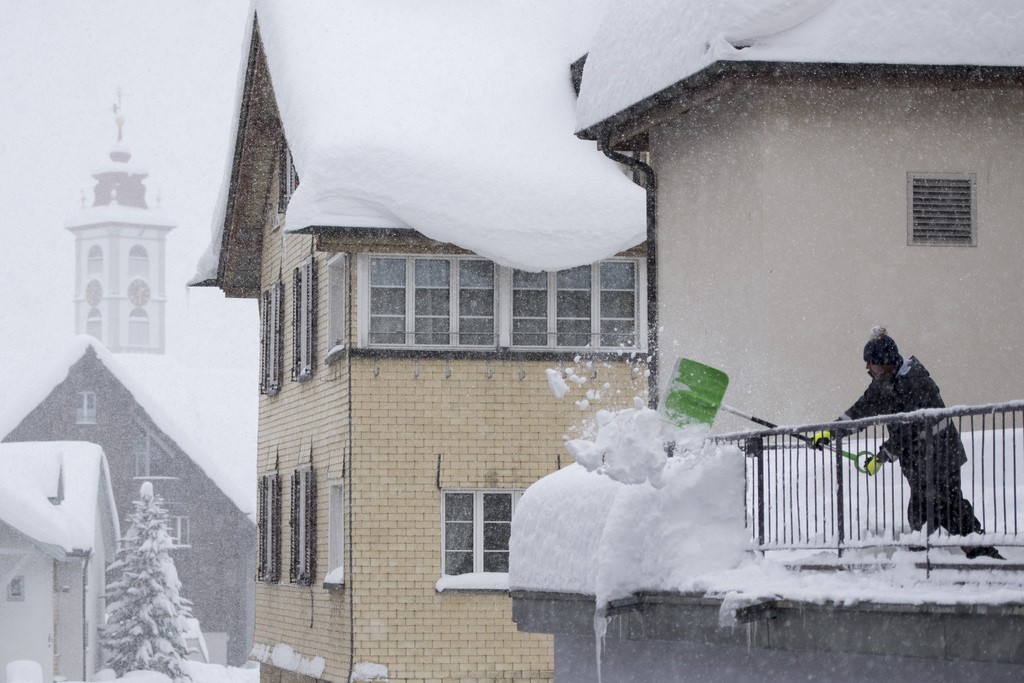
{"x": 30, "y": 476}
{"x": 88, "y": 216}
{"x": 646, "y": 46}
{"x": 201, "y": 412}
{"x": 453, "y": 118}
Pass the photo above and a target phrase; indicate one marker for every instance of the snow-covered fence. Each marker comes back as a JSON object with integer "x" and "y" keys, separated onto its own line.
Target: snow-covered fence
{"x": 804, "y": 497}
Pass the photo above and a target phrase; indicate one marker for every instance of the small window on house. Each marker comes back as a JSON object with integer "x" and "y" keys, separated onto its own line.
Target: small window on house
{"x": 303, "y": 526}
{"x": 16, "y": 589}
{"x": 336, "y": 536}
{"x": 268, "y": 567}
{"x": 138, "y": 328}
{"x": 271, "y": 342}
{"x": 304, "y": 313}
{"x": 942, "y": 209}
{"x": 288, "y": 179}
{"x": 138, "y": 261}
{"x": 86, "y": 412}
{"x": 94, "y": 261}
{"x": 178, "y": 524}
{"x": 94, "y": 323}
{"x": 337, "y": 293}
{"x": 476, "y": 530}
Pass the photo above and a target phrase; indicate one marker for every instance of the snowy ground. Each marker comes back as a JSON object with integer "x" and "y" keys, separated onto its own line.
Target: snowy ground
{"x": 200, "y": 673}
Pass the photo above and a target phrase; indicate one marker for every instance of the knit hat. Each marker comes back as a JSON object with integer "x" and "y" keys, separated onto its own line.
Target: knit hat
{"x": 881, "y": 349}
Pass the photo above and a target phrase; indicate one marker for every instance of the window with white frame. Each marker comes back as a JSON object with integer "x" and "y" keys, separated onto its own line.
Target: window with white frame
{"x": 336, "y": 535}
{"x": 16, "y": 589}
{"x": 86, "y": 412}
{"x": 138, "y": 328}
{"x": 302, "y": 568}
{"x": 476, "y": 529}
{"x": 337, "y": 293}
{"x": 942, "y": 209}
{"x": 271, "y": 342}
{"x": 94, "y": 261}
{"x": 178, "y": 524}
{"x": 304, "y": 297}
{"x": 152, "y": 456}
{"x": 268, "y": 565}
{"x": 138, "y": 261}
{"x": 457, "y": 301}
{"x": 94, "y": 323}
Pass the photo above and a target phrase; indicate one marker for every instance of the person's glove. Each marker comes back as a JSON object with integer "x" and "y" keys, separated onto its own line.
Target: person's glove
{"x": 875, "y": 462}
{"x": 821, "y": 439}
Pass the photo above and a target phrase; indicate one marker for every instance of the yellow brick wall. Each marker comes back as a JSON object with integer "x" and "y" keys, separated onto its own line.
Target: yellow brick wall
{"x": 494, "y": 424}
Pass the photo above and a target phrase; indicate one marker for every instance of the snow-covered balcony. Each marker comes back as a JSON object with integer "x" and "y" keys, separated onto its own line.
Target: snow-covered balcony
{"x": 750, "y": 550}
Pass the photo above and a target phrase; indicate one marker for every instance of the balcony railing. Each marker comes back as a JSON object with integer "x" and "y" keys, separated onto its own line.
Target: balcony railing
{"x": 802, "y": 497}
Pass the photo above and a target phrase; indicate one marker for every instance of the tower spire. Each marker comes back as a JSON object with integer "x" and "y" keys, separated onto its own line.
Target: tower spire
{"x": 118, "y": 115}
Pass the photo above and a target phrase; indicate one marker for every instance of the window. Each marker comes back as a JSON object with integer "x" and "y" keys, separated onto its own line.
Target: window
{"x": 94, "y": 261}
{"x": 152, "y": 457}
{"x": 86, "y": 413}
{"x": 595, "y": 306}
{"x": 138, "y": 262}
{"x": 288, "y": 179}
{"x": 942, "y": 209}
{"x": 271, "y": 325}
{"x": 337, "y": 292}
{"x": 16, "y": 589}
{"x": 94, "y": 323}
{"x": 303, "y": 526}
{"x": 268, "y": 567}
{"x": 477, "y": 527}
{"x": 304, "y": 312}
{"x": 138, "y": 328}
{"x": 471, "y": 302}
{"x": 336, "y": 535}
{"x": 178, "y": 524}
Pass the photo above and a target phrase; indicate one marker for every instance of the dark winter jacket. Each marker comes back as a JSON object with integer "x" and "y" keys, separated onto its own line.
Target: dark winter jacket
{"x": 910, "y": 388}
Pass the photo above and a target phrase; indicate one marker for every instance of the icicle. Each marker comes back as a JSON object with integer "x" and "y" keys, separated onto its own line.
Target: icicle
{"x": 600, "y": 629}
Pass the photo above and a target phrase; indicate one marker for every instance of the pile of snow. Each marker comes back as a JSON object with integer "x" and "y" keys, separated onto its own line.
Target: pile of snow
{"x": 286, "y": 657}
{"x": 645, "y": 46}
{"x": 451, "y": 118}
{"x": 630, "y": 517}
{"x": 367, "y": 671}
{"x": 199, "y": 672}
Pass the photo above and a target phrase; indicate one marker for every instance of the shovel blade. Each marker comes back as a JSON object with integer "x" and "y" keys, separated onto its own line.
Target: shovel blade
{"x": 694, "y": 394}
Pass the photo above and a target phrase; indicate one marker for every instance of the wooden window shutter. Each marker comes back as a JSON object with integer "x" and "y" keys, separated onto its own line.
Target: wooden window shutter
{"x": 309, "y": 551}
{"x": 266, "y": 342}
{"x": 262, "y": 566}
{"x": 311, "y": 318}
{"x": 274, "y": 570}
{"x": 294, "y": 525}
{"x": 277, "y": 336}
{"x": 298, "y": 301}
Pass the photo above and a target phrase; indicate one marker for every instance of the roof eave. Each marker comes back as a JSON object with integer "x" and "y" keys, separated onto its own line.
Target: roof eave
{"x": 622, "y": 127}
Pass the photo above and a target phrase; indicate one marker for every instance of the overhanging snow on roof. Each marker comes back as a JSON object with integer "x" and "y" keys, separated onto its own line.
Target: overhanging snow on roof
{"x": 453, "y": 119}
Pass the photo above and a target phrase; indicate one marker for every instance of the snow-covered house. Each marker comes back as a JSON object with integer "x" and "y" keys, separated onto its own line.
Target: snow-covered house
{"x": 58, "y": 530}
{"x": 432, "y": 249}
{"x": 158, "y": 421}
{"x": 823, "y": 167}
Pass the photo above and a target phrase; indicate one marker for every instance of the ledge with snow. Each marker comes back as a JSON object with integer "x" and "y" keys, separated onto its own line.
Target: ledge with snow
{"x": 641, "y": 565}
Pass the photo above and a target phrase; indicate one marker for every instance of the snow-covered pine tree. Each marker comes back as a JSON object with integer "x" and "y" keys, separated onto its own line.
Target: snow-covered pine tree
{"x": 146, "y": 613}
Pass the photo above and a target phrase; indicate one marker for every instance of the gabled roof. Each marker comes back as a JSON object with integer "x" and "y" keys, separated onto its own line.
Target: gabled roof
{"x": 450, "y": 118}
{"x": 201, "y": 415}
{"x": 649, "y": 52}
{"x": 57, "y": 493}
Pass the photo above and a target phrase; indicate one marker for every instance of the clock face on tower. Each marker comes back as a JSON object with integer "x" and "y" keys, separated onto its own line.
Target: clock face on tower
{"x": 138, "y": 293}
{"x": 93, "y": 293}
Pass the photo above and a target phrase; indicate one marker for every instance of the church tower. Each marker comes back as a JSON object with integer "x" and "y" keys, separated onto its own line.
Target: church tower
{"x": 120, "y": 256}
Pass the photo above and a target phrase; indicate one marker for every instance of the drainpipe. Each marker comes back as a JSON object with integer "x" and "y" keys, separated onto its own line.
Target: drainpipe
{"x": 86, "y": 555}
{"x": 651, "y": 185}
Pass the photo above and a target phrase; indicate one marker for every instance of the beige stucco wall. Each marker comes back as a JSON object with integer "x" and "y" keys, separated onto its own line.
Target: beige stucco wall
{"x": 494, "y": 423}
{"x": 783, "y": 240}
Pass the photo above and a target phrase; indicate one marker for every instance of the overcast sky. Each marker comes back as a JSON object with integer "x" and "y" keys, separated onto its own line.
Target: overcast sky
{"x": 61, "y": 65}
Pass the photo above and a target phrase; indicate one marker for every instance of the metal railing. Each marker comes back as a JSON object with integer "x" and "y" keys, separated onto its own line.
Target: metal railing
{"x": 803, "y": 497}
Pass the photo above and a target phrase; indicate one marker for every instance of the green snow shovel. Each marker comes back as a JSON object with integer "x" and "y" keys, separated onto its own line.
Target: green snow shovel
{"x": 694, "y": 396}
